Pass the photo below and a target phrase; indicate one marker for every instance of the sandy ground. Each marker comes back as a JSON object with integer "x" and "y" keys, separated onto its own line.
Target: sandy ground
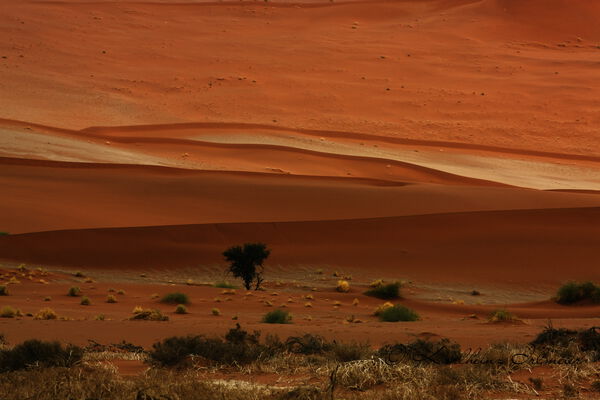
{"x": 449, "y": 143}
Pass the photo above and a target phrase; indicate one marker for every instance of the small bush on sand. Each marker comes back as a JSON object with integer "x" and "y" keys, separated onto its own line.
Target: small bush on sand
{"x": 382, "y": 307}
{"x": 376, "y": 283}
{"x": 78, "y": 274}
{"x": 85, "y": 301}
{"x": 148, "y": 315}
{"x": 176, "y": 298}
{"x": 574, "y": 292}
{"x": 111, "y": 299}
{"x": 39, "y": 353}
{"x": 9, "y": 312}
{"x": 3, "y": 291}
{"x": 388, "y": 291}
{"x": 181, "y": 309}
{"x": 47, "y": 298}
{"x": 277, "y": 317}
{"x": 398, "y": 313}
{"x": 121, "y": 292}
{"x": 343, "y": 286}
{"x": 502, "y": 316}
{"x": 224, "y": 285}
{"x": 45, "y": 314}
{"x": 74, "y": 291}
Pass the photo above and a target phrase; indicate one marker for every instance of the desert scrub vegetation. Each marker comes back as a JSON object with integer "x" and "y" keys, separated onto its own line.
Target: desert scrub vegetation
{"x": 224, "y": 285}
{"x": 111, "y": 299}
{"x": 575, "y": 292}
{"x": 9, "y": 312}
{"x": 74, "y": 291}
{"x": 237, "y": 347}
{"x": 39, "y": 353}
{"x": 185, "y": 367}
{"x": 175, "y": 298}
{"x": 85, "y": 301}
{"x": 569, "y": 341}
{"x": 502, "y": 316}
{"x": 343, "y": 286}
{"x": 385, "y": 291}
{"x": 3, "y": 290}
{"x": 45, "y": 314}
{"x": 398, "y": 313}
{"x": 140, "y": 314}
{"x": 277, "y": 317}
{"x": 181, "y": 309}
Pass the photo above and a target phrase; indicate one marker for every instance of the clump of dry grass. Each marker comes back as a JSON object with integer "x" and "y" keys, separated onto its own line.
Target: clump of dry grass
{"x": 343, "y": 286}
{"x": 503, "y": 316}
{"x": 111, "y": 299}
{"x": 215, "y": 312}
{"x": 45, "y": 314}
{"x": 9, "y": 312}
{"x": 148, "y": 315}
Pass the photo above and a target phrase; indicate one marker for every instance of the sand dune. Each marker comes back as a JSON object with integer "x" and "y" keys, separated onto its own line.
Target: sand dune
{"x": 451, "y": 143}
{"x": 517, "y": 248}
{"x": 498, "y": 73}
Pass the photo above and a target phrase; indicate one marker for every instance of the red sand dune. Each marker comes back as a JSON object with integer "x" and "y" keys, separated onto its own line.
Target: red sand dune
{"x": 528, "y": 247}
{"x": 450, "y": 142}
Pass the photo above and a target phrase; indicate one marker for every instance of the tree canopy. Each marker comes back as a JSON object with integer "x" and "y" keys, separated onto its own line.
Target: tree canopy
{"x": 246, "y": 262}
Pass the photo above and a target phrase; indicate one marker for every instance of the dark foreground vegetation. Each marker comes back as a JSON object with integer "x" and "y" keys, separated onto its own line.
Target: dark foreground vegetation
{"x": 577, "y": 292}
{"x": 193, "y": 367}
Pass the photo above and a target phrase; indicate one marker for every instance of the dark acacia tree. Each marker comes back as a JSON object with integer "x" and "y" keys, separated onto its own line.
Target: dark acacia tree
{"x": 246, "y": 262}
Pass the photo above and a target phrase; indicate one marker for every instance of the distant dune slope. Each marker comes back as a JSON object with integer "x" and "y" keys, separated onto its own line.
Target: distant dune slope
{"x": 504, "y": 247}
{"x": 508, "y": 73}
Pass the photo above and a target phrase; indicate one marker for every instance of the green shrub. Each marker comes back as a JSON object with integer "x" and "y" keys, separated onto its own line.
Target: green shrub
{"x": 3, "y": 291}
{"x": 4, "y": 233}
{"x": 85, "y": 301}
{"x": 277, "y": 317}
{"x": 74, "y": 291}
{"x": 176, "y": 298}
{"x": 181, "y": 309}
{"x": 9, "y": 312}
{"x": 398, "y": 313}
{"x": 573, "y": 292}
{"x": 39, "y": 353}
{"x": 224, "y": 285}
{"x": 387, "y": 291}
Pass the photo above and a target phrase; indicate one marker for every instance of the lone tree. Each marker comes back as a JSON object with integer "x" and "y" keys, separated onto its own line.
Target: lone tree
{"x": 247, "y": 262}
